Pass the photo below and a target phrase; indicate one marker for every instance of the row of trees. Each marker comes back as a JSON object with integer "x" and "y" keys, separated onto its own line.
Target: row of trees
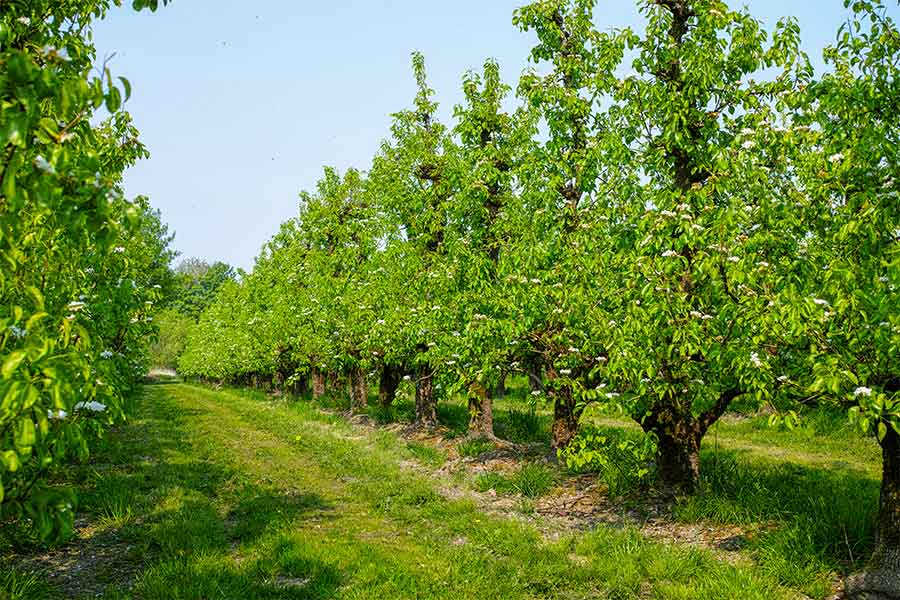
{"x": 80, "y": 265}
{"x": 667, "y": 221}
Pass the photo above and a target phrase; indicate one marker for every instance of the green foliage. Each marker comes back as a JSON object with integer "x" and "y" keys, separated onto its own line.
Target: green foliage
{"x": 623, "y": 461}
{"x": 80, "y": 265}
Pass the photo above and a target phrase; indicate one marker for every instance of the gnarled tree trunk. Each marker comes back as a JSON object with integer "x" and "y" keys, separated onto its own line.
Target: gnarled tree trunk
{"x": 565, "y": 418}
{"x": 301, "y": 385}
{"x": 481, "y": 415}
{"x": 881, "y": 580}
{"x": 387, "y": 385}
{"x": 678, "y": 459}
{"x": 426, "y": 404}
{"x": 359, "y": 391}
{"x": 318, "y": 383}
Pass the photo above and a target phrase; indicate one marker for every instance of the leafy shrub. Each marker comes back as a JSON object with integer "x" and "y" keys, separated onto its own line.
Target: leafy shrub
{"x": 622, "y": 459}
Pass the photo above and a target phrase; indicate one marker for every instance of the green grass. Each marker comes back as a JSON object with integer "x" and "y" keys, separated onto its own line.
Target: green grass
{"x": 475, "y": 446}
{"x": 531, "y": 480}
{"x": 234, "y": 496}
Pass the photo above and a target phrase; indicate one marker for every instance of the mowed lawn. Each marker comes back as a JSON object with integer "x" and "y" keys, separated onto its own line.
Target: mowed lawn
{"x": 219, "y": 494}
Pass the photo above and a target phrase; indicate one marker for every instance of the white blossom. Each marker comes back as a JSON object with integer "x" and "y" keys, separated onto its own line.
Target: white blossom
{"x": 734, "y": 259}
{"x": 119, "y": 249}
{"x": 612, "y": 395}
{"x": 565, "y": 371}
{"x": 573, "y": 349}
{"x": 17, "y": 332}
{"x": 762, "y": 264}
{"x": 836, "y": 158}
{"x": 536, "y": 281}
{"x": 862, "y": 391}
{"x": 667, "y": 213}
{"x": 536, "y": 393}
{"x": 821, "y": 302}
{"x": 380, "y": 321}
{"x": 747, "y": 131}
{"x": 41, "y": 163}
{"x": 57, "y": 414}
{"x": 754, "y": 360}
{"x": 93, "y": 406}
{"x": 406, "y": 378}
{"x": 24, "y": 21}
{"x": 748, "y": 145}
{"x": 782, "y": 378}
{"x": 669, "y": 253}
{"x": 106, "y": 354}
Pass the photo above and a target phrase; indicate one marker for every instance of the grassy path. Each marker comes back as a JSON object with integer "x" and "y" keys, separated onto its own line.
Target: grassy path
{"x": 213, "y": 494}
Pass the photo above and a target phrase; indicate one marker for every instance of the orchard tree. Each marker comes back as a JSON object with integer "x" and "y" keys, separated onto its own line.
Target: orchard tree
{"x": 68, "y": 237}
{"x": 848, "y": 313}
{"x": 700, "y": 221}
{"x": 412, "y": 180}
{"x": 550, "y": 282}
{"x": 491, "y": 143}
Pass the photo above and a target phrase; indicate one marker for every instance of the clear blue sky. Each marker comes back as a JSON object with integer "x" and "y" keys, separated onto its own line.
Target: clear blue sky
{"x": 242, "y": 103}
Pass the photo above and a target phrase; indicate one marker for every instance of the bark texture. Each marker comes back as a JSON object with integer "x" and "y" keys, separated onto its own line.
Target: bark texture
{"x": 881, "y": 580}
{"x": 679, "y": 433}
{"x": 481, "y": 414}
{"x": 387, "y": 385}
{"x": 565, "y": 418}
{"x": 318, "y": 383}
{"x": 426, "y": 404}
{"x": 359, "y": 391}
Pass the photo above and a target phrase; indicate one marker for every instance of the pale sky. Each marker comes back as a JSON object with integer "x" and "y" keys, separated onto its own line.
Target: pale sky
{"x": 242, "y": 103}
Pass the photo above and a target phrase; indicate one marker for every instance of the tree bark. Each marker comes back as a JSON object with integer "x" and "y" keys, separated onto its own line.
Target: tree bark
{"x": 534, "y": 381}
{"x": 301, "y": 385}
{"x": 881, "y": 580}
{"x": 318, "y": 383}
{"x": 426, "y": 404}
{"x": 565, "y": 419}
{"x": 678, "y": 457}
{"x": 387, "y": 385}
{"x": 359, "y": 391}
{"x": 481, "y": 414}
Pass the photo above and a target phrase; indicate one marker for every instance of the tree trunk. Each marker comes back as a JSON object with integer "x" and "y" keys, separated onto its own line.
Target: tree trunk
{"x": 565, "y": 418}
{"x": 678, "y": 459}
{"x": 481, "y": 415}
{"x": 881, "y": 580}
{"x": 387, "y": 385}
{"x": 359, "y": 391}
{"x": 534, "y": 381}
{"x": 318, "y": 383}
{"x": 301, "y": 385}
{"x": 426, "y": 405}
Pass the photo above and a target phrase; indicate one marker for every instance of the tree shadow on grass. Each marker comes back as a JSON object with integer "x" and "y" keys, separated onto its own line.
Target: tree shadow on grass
{"x": 820, "y": 517}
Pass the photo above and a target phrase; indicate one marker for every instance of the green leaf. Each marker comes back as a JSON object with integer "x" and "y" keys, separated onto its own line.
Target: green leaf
{"x": 12, "y": 363}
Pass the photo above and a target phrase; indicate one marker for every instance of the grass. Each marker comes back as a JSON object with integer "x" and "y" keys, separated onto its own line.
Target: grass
{"x": 234, "y": 496}
{"x": 806, "y": 495}
{"x": 475, "y": 446}
{"x": 531, "y": 480}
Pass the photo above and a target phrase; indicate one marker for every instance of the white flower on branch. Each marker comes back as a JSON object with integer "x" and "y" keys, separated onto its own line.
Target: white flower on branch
{"x": 754, "y": 360}
{"x": 669, "y": 253}
{"x": 862, "y": 391}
